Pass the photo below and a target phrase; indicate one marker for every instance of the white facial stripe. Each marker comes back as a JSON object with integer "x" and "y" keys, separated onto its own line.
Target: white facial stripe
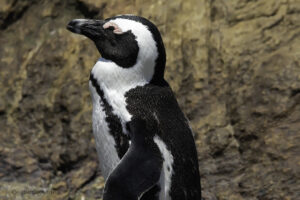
{"x": 167, "y": 170}
{"x": 147, "y": 45}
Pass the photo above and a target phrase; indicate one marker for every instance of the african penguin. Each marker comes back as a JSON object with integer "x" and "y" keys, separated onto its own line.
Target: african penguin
{"x": 144, "y": 142}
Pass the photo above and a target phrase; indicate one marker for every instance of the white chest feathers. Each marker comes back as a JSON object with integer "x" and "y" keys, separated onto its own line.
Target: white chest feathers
{"x": 115, "y": 81}
{"x": 105, "y": 143}
{"x": 165, "y": 181}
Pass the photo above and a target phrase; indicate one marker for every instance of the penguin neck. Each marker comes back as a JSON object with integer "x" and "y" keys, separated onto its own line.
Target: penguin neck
{"x": 112, "y": 77}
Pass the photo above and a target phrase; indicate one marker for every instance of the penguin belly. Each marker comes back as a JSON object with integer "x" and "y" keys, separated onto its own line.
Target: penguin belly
{"x": 105, "y": 142}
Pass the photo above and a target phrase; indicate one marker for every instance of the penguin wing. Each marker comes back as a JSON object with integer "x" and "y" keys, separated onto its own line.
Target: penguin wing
{"x": 140, "y": 168}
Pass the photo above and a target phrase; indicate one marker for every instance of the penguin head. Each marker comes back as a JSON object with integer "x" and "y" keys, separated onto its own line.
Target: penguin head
{"x": 130, "y": 42}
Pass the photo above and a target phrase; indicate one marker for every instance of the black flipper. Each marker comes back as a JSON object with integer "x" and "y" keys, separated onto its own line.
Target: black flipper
{"x": 140, "y": 168}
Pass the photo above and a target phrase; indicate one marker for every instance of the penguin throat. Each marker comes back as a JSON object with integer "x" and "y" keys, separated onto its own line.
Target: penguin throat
{"x": 116, "y": 78}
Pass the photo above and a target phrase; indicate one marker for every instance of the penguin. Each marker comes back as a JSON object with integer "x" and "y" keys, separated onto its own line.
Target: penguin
{"x": 143, "y": 140}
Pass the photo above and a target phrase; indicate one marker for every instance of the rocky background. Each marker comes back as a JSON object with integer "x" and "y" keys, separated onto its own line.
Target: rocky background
{"x": 234, "y": 66}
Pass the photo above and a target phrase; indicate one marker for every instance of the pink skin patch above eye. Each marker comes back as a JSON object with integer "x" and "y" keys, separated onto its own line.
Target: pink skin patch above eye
{"x": 117, "y": 29}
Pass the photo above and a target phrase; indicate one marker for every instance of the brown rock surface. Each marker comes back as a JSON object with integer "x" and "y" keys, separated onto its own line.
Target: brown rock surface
{"x": 234, "y": 66}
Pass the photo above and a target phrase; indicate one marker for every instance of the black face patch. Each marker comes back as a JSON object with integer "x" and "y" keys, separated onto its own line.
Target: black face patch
{"x": 161, "y": 59}
{"x": 119, "y": 48}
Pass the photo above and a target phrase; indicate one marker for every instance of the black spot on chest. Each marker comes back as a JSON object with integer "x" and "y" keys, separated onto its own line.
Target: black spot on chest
{"x": 114, "y": 122}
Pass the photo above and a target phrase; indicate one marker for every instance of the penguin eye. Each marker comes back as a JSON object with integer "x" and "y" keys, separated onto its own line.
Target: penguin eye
{"x": 113, "y": 26}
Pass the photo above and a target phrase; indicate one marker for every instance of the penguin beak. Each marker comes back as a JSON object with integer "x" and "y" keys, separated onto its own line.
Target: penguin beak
{"x": 90, "y": 28}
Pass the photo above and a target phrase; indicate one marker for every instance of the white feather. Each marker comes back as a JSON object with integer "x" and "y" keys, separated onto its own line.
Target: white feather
{"x": 105, "y": 143}
{"x": 167, "y": 172}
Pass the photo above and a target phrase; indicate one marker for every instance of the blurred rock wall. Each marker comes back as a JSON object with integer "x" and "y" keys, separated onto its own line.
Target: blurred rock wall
{"x": 234, "y": 66}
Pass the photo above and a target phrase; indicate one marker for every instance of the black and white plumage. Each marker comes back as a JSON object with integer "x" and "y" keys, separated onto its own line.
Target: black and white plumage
{"x": 144, "y": 142}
